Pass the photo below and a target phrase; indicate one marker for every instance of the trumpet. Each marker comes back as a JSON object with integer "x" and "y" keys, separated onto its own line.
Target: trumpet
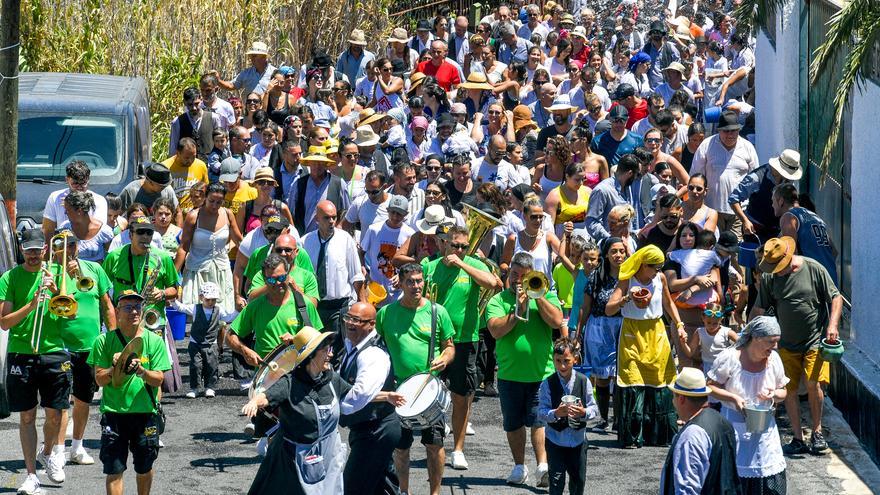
{"x": 535, "y": 284}
{"x": 83, "y": 283}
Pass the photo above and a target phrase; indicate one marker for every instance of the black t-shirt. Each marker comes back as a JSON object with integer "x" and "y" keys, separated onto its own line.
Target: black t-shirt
{"x": 658, "y": 238}
{"x": 546, "y": 133}
{"x": 456, "y": 198}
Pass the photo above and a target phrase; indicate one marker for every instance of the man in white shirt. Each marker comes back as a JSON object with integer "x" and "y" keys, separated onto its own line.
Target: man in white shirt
{"x": 374, "y": 429}
{"x": 337, "y": 269}
{"x": 725, "y": 159}
{"x": 494, "y": 168}
{"x": 589, "y": 84}
{"x": 405, "y": 185}
{"x": 368, "y": 208}
{"x": 380, "y": 243}
{"x": 656, "y": 104}
{"x": 459, "y": 40}
{"x": 208, "y": 87}
{"x": 674, "y": 75}
{"x": 77, "y": 176}
{"x": 534, "y": 26}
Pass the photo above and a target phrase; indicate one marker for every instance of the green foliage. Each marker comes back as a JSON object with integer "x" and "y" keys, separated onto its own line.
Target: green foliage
{"x": 752, "y": 15}
{"x": 171, "y": 42}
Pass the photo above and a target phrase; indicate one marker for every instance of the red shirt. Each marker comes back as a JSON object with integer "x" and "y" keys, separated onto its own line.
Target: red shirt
{"x": 636, "y": 113}
{"x": 446, "y": 74}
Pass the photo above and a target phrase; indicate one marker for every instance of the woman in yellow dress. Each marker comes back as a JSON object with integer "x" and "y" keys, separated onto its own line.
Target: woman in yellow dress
{"x": 643, "y": 404}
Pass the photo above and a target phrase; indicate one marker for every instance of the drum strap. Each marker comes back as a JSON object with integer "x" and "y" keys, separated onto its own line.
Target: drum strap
{"x": 433, "y": 334}
{"x": 302, "y": 309}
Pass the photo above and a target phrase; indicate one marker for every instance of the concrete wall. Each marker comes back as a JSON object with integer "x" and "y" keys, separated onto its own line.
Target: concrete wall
{"x": 777, "y": 80}
{"x": 865, "y": 207}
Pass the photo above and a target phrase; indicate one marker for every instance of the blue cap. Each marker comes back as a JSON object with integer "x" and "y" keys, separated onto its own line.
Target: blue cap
{"x": 286, "y": 70}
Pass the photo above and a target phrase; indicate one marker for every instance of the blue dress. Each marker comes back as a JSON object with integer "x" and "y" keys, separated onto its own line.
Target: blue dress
{"x": 602, "y": 332}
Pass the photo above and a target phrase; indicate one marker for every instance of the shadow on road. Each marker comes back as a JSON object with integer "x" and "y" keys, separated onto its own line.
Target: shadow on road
{"x": 220, "y": 437}
{"x": 13, "y": 466}
{"x": 220, "y": 464}
{"x": 462, "y": 484}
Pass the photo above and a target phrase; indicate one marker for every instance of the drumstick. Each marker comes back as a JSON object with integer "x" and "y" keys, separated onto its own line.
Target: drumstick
{"x": 421, "y": 388}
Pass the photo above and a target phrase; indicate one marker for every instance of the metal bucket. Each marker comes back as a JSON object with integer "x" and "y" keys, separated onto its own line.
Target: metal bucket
{"x": 758, "y": 417}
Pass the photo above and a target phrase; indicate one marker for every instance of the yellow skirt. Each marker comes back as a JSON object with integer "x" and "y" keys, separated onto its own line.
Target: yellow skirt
{"x": 644, "y": 357}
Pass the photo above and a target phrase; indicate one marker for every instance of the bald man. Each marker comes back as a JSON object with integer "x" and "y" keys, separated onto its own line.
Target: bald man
{"x": 338, "y": 269}
{"x": 299, "y": 279}
{"x": 375, "y": 428}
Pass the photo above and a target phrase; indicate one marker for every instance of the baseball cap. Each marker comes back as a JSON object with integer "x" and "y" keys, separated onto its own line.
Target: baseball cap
{"x": 33, "y": 239}
{"x": 618, "y": 112}
{"x": 138, "y": 223}
{"x": 277, "y": 222}
{"x": 128, "y": 294}
{"x": 399, "y": 204}
{"x": 624, "y": 90}
{"x": 230, "y": 168}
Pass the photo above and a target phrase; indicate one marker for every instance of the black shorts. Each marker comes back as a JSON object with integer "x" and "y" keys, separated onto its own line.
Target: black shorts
{"x": 519, "y": 404}
{"x": 462, "y": 372}
{"x": 121, "y": 433}
{"x": 432, "y": 435}
{"x": 48, "y": 375}
{"x": 84, "y": 386}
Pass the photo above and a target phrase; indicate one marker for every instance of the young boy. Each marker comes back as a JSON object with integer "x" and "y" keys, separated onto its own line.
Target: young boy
{"x": 207, "y": 320}
{"x": 566, "y": 433}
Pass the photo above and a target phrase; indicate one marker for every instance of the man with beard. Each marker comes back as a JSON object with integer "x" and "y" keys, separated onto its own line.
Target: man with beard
{"x": 561, "y": 110}
{"x": 669, "y": 218}
{"x": 195, "y": 123}
{"x": 609, "y": 193}
{"x": 616, "y": 142}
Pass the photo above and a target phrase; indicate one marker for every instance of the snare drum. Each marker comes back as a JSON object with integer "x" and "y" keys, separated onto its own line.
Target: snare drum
{"x": 276, "y": 364}
{"x": 427, "y": 400}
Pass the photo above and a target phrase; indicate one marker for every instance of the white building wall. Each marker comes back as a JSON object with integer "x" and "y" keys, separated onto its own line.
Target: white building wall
{"x": 777, "y": 80}
{"x": 865, "y": 213}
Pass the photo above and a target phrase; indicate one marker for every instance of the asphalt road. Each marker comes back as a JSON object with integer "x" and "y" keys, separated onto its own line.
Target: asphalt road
{"x": 206, "y": 452}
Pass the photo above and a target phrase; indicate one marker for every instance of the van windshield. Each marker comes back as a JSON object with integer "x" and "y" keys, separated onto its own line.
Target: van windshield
{"x": 47, "y": 143}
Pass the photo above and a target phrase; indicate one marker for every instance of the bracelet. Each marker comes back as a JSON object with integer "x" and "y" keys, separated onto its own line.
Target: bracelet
{"x": 679, "y": 324}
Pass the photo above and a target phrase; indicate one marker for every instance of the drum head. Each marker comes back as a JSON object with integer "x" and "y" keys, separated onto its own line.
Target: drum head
{"x": 276, "y": 364}
{"x": 418, "y": 404}
{"x": 131, "y": 351}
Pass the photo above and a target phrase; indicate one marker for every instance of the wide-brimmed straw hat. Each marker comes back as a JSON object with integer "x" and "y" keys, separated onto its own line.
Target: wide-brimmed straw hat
{"x": 399, "y": 35}
{"x": 317, "y": 154}
{"x": 477, "y": 80}
{"x": 776, "y": 254}
{"x": 258, "y": 48}
{"x": 368, "y": 116}
{"x": 690, "y": 382}
{"x": 307, "y": 340}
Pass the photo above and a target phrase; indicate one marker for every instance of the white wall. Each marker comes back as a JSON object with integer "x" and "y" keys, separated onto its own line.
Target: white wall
{"x": 776, "y": 80}
{"x": 865, "y": 208}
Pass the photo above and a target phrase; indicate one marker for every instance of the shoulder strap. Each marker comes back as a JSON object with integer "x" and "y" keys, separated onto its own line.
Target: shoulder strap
{"x": 433, "y": 333}
{"x": 301, "y": 308}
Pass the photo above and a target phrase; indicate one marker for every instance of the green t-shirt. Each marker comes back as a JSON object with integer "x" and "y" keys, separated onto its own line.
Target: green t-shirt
{"x": 131, "y": 396}
{"x": 18, "y": 286}
{"x": 305, "y": 280}
{"x": 80, "y": 332}
{"x": 407, "y": 334}
{"x": 119, "y": 266}
{"x": 268, "y": 322}
{"x": 255, "y": 262}
{"x": 458, "y": 292}
{"x": 525, "y": 354}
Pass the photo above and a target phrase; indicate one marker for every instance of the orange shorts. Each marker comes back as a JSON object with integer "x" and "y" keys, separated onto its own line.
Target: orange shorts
{"x": 808, "y": 363}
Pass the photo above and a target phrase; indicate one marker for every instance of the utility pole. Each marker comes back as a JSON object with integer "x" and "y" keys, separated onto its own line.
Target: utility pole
{"x": 10, "y": 18}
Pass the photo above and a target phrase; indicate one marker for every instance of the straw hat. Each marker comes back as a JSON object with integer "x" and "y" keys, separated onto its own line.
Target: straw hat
{"x": 258, "y": 48}
{"x": 522, "y": 117}
{"x": 357, "y": 38}
{"x": 306, "y": 341}
{"x": 476, "y": 80}
{"x": 366, "y": 137}
{"x": 561, "y": 103}
{"x": 265, "y": 173}
{"x": 368, "y": 116}
{"x": 776, "y": 254}
{"x": 690, "y": 382}
{"x": 580, "y": 32}
{"x": 399, "y": 35}
{"x": 317, "y": 154}
{"x": 787, "y": 164}
{"x": 415, "y": 80}
{"x": 676, "y": 66}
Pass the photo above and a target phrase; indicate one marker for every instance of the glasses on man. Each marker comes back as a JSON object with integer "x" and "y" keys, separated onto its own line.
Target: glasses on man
{"x": 143, "y": 232}
{"x": 458, "y": 245}
{"x": 352, "y": 319}
{"x": 374, "y": 192}
{"x": 618, "y": 120}
{"x": 271, "y": 231}
{"x": 131, "y": 308}
{"x": 264, "y": 182}
{"x": 280, "y": 279}
{"x": 283, "y": 250}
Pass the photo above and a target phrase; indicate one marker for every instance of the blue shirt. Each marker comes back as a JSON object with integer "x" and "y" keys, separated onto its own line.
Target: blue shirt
{"x": 659, "y": 61}
{"x": 547, "y": 412}
{"x": 353, "y": 67}
{"x": 605, "y": 196}
{"x": 605, "y": 145}
{"x": 813, "y": 241}
{"x": 577, "y": 298}
{"x": 287, "y": 179}
{"x": 520, "y": 53}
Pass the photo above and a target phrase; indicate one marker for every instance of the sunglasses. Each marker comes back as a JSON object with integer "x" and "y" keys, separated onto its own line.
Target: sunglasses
{"x": 253, "y": 102}
{"x": 351, "y": 156}
{"x": 536, "y": 217}
{"x": 433, "y": 168}
{"x": 713, "y": 314}
{"x": 618, "y": 120}
{"x": 271, "y": 231}
{"x": 386, "y": 69}
{"x": 457, "y": 245}
{"x": 131, "y": 308}
{"x": 143, "y": 232}
{"x": 264, "y": 182}
{"x": 374, "y": 192}
{"x": 653, "y": 140}
{"x": 280, "y": 279}
{"x": 282, "y": 250}
{"x": 696, "y": 188}
{"x": 595, "y": 108}
{"x": 431, "y": 192}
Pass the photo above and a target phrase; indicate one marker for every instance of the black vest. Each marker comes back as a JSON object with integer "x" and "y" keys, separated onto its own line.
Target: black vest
{"x": 579, "y": 389}
{"x": 204, "y": 138}
{"x": 334, "y": 195}
{"x": 203, "y": 330}
{"x": 374, "y": 410}
{"x": 722, "y": 478}
{"x": 760, "y": 206}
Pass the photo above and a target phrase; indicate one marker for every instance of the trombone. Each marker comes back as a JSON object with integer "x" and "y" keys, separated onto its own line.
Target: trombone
{"x": 535, "y": 284}
{"x": 61, "y": 304}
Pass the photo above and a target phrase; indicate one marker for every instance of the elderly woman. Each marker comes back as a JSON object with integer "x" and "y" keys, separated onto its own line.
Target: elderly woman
{"x": 619, "y": 222}
{"x": 568, "y": 202}
{"x": 307, "y": 455}
{"x": 645, "y": 366}
{"x": 747, "y": 374}
{"x": 93, "y": 236}
{"x": 203, "y": 252}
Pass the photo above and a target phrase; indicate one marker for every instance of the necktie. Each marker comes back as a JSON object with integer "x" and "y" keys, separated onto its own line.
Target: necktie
{"x": 321, "y": 269}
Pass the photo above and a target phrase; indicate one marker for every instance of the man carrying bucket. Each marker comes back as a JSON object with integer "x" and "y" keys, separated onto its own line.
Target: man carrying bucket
{"x": 807, "y": 305}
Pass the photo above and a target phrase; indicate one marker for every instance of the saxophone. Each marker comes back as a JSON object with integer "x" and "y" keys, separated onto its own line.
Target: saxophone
{"x": 151, "y": 317}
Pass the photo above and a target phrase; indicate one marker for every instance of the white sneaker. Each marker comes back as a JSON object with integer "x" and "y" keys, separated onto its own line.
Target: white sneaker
{"x": 191, "y": 394}
{"x": 249, "y": 429}
{"x": 543, "y": 475}
{"x": 209, "y": 393}
{"x": 469, "y": 431}
{"x": 458, "y": 461}
{"x": 55, "y": 468}
{"x": 161, "y": 444}
{"x": 262, "y": 446}
{"x": 519, "y": 475}
{"x": 31, "y": 485}
{"x": 245, "y": 384}
{"x": 81, "y": 457}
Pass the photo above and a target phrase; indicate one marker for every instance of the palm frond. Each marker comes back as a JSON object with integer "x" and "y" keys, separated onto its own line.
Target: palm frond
{"x": 854, "y": 34}
{"x": 754, "y": 14}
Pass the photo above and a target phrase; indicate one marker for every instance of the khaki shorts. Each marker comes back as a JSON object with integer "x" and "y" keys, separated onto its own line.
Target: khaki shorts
{"x": 808, "y": 363}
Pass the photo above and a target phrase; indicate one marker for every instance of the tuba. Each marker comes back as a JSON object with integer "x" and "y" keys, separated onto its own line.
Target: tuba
{"x": 478, "y": 224}
{"x": 535, "y": 284}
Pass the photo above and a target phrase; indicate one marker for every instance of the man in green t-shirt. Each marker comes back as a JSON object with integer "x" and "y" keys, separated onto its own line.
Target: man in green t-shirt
{"x": 129, "y": 420}
{"x": 406, "y": 327}
{"x": 525, "y": 358}
{"x": 89, "y": 285}
{"x": 458, "y": 280}
{"x": 37, "y": 364}
{"x": 299, "y": 279}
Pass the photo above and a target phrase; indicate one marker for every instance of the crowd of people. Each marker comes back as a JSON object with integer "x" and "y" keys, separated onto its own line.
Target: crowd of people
{"x": 560, "y": 206}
